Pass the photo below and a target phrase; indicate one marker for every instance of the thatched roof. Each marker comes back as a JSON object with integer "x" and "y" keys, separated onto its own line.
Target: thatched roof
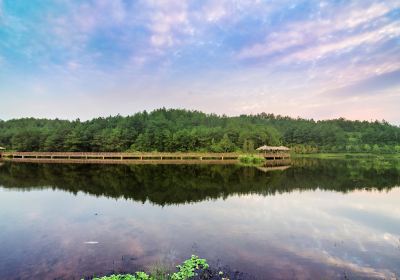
{"x": 273, "y": 148}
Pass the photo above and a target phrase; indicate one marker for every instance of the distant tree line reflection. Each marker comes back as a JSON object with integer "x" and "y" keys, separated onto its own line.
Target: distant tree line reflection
{"x": 176, "y": 184}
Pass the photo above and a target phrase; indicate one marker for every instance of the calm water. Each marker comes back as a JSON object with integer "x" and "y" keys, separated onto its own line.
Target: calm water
{"x": 314, "y": 220}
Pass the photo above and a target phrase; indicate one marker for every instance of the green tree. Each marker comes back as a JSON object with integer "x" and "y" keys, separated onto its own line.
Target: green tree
{"x": 226, "y": 144}
{"x": 376, "y": 149}
{"x": 248, "y": 146}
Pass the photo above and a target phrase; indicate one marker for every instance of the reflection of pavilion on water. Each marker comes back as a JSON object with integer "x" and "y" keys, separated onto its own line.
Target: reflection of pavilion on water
{"x": 266, "y": 168}
{"x": 2, "y": 149}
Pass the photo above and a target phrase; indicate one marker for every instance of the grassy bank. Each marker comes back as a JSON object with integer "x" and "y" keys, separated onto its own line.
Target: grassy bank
{"x": 346, "y": 155}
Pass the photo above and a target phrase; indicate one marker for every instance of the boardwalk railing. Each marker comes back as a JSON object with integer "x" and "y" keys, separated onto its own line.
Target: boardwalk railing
{"x": 274, "y": 156}
{"x": 120, "y": 156}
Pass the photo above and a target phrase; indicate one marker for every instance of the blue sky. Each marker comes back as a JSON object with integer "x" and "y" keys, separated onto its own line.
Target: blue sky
{"x": 314, "y": 59}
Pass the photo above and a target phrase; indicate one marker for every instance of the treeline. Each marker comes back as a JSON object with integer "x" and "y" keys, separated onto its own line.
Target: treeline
{"x": 170, "y": 130}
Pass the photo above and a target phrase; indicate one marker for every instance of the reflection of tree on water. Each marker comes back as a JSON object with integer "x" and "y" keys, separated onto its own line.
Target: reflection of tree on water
{"x": 173, "y": 184}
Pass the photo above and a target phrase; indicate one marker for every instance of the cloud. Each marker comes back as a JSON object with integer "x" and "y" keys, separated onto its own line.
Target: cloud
{"x": 81, "y": 20}
{"x": 319, "y": 30}
{"x": 281, "y": 56}
{"x": 360, "y": 15}
{"x": 73, "y": 65}
{"x": 373, "y": 85}
{"x": 215, "y": 11}
{"x": 175, "y": 22}
{"x": 275, "y": 43}
{"x": 168, "y": 21}
{"x": 346, "y": 44}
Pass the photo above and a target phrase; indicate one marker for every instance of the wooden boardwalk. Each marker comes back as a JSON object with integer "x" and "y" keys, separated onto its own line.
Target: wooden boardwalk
{"x": 111, "y": 161}
{"x": 119, "y": 156}
{"x": 126, "y": 158}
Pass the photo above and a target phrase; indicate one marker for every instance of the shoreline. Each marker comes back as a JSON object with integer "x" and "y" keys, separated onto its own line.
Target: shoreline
{"x": 142, "y": 158}
{"x": 347, "y": 156}
{"x": 173, "y": 157}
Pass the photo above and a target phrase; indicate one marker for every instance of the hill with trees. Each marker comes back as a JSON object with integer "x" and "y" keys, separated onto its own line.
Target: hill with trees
{"x": 170, "y": 130}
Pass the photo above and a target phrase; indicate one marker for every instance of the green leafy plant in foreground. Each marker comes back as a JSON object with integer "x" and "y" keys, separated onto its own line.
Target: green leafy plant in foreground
{"x": 188, "y": 268}
{"x": 185, "y": 271}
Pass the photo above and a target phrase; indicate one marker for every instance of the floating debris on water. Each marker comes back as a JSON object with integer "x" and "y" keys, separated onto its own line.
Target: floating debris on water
{"x": 91, "y": 242}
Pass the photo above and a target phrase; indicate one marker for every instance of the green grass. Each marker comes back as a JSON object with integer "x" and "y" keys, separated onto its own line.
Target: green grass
{"x": 185, "y": 271}
{"x": 251, "y": 160}
{"x": 346, "y": 155}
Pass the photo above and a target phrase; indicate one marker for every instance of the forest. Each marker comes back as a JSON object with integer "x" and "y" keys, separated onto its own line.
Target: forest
{"x": 178, "y": 130}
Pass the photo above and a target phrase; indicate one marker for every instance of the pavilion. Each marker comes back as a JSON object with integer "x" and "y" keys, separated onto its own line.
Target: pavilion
{"x": 274, "y": 152}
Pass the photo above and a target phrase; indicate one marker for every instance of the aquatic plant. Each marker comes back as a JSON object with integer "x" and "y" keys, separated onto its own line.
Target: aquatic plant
{"x": 188, "y": 269}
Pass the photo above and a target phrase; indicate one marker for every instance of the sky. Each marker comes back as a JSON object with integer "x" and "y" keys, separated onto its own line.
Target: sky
{"x": 90, "y": 58}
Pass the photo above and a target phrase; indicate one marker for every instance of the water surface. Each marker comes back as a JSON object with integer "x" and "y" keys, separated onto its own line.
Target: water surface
{"x": 316, "y": 219}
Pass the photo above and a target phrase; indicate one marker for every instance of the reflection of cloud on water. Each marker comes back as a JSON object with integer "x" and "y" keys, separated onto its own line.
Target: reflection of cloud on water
{"x": 296, "y": 234}
{"x": 55, "y": 246}
{"x": 369, "y": 219}
{"x": 306, "y": 225}
{"x": 323, "y": 257}
{"x": 286, "y": 262}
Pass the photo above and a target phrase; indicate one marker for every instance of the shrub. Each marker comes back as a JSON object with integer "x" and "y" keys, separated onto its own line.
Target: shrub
{"x": 251, "y": 159}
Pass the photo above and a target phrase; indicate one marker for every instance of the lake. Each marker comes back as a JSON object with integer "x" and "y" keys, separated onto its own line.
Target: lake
{"x": 317, "y": 219}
